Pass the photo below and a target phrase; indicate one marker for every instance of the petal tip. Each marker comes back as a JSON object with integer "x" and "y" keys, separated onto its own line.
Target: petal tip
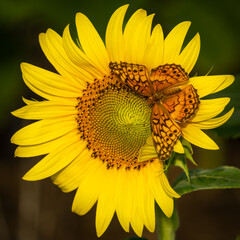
{"x": 23, "y": 66}
{"x": 79, "y": 15}
{"x": 176, "y": 195}
{"x": 231, "y": 112}
{"x": 185, "y": 24}
{"x": 197, "y": 36}
{"x": 125, "y": 6}
{"x": 99, "y": 231}
{"x": 12, "y": 139}
{"x": 168, "y": 212}
{"x": 231, "y": 77}
{"x": 26, "y": 177}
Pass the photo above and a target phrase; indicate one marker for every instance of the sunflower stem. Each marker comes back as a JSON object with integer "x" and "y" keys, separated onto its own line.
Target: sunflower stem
{"x": 166, "y": 226}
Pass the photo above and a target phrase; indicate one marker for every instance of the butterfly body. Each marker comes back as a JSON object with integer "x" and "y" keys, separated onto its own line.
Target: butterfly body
{"x": 173, "y": 101}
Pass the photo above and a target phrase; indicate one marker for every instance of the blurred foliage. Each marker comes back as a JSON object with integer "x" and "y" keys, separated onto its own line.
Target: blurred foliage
{"x": 238, "y": 237}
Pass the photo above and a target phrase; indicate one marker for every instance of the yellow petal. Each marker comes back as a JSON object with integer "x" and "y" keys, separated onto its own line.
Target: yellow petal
{"x": 214, "y": 122}
{"x": 225, "y": 84}
{"x": 197, "y": 137}
{"x": 44, "y": 148}
{"x": 173, "y": 42}
{"x": 210, "y": 108}
{"x": 166, "y": 186}
{"x": 44, "y": 131}
{"x": 55, "y": 161}
{"x": 106, "y": 202}
{"x": 136, "y": 36}
{"x": 70, "y": 177}
{"x": 52, "y": 46}
{"x": 178, "y": 147}
{"x": 124, "y": 198}
{"x": 55, "y": 45}
{"x": 89, "y": 188}
{"x": 149, "y": 207}
{"x": 129, "y": 31}
{"x": 144, "y": 204}
{"x": 154, "y": 53}
{"x": 136, "y": 218}
{"x": 165, "y": 202}
{"x": 48, "y": 84}
{"x": 206, "y": 85}
{"x": 137, "y": 224}
{"x": 28, "y": 102}
{"x": 39, "y": 92}
{"x": 142, "y": 37}
{"x": 148, "y": 151}
{"x": 92, "y": 43}
{"x": 64, "y": 101}
{"x": 114, "y": 35}
{"x": 87, "y": 67}
{"x": 46, "y": 109}
{"x": 189, "y": 55}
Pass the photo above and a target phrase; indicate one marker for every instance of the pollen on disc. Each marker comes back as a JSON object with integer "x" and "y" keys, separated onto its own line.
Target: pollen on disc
{"x": 114, "y": 121}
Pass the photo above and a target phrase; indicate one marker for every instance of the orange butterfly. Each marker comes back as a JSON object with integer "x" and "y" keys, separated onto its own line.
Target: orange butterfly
{"x": 166, "y": 89}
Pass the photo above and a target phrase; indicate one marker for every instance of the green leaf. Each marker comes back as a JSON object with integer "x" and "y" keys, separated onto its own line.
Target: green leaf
{"x": 180, "y": 161}
{"x": 201, "y": 179}
{"x": 168, "y": 163}
{"x": 188, "y": 156}
{"x": 188, "y": 151}
{"x": 187, "y": 145}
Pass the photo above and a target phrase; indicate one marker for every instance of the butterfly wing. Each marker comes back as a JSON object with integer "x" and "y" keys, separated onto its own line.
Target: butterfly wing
{"x": 182, "y": 105}
{"x": 134, "y": 75}
{"x": 165, "y": 131}
{"x": 168, "y": 75}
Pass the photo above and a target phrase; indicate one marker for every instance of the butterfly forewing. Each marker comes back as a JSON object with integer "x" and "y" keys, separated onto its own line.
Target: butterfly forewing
{"x": 182, "y": 105}
{"x": 166, "y": 76}
{"x": 165, "y": 132}
{"x": 134, "y": 75}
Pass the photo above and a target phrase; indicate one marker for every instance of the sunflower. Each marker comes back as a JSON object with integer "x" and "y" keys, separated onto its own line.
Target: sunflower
{"x": 95, "y": 132}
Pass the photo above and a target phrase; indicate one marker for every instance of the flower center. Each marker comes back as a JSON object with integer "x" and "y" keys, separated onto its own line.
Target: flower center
{"x": 114, "y": 121}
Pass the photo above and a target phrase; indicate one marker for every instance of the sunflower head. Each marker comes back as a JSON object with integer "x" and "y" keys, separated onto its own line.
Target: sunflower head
{"x": 114, "y": 121}
{"x": 113, "y": 112}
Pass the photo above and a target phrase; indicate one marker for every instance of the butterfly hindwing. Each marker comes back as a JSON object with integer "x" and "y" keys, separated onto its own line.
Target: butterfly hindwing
{"x": 166, "y": 76}
{"x": 134, "y": 75}
{"x": 165, "y": 131}
{"x": 182, "y": 105}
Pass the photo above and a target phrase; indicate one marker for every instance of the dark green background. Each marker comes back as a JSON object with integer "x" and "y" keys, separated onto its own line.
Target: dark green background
{"x": 38, "y": 210}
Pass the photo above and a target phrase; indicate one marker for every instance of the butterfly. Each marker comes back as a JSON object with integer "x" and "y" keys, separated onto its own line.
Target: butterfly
{"x": 173, "y": 100}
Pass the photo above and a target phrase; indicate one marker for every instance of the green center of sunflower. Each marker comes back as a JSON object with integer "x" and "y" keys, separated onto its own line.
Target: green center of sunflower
{"x": 114, "y": 121}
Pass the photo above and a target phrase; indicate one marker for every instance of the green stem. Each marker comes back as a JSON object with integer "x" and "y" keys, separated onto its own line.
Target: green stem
{"x": 166, "y": 226}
